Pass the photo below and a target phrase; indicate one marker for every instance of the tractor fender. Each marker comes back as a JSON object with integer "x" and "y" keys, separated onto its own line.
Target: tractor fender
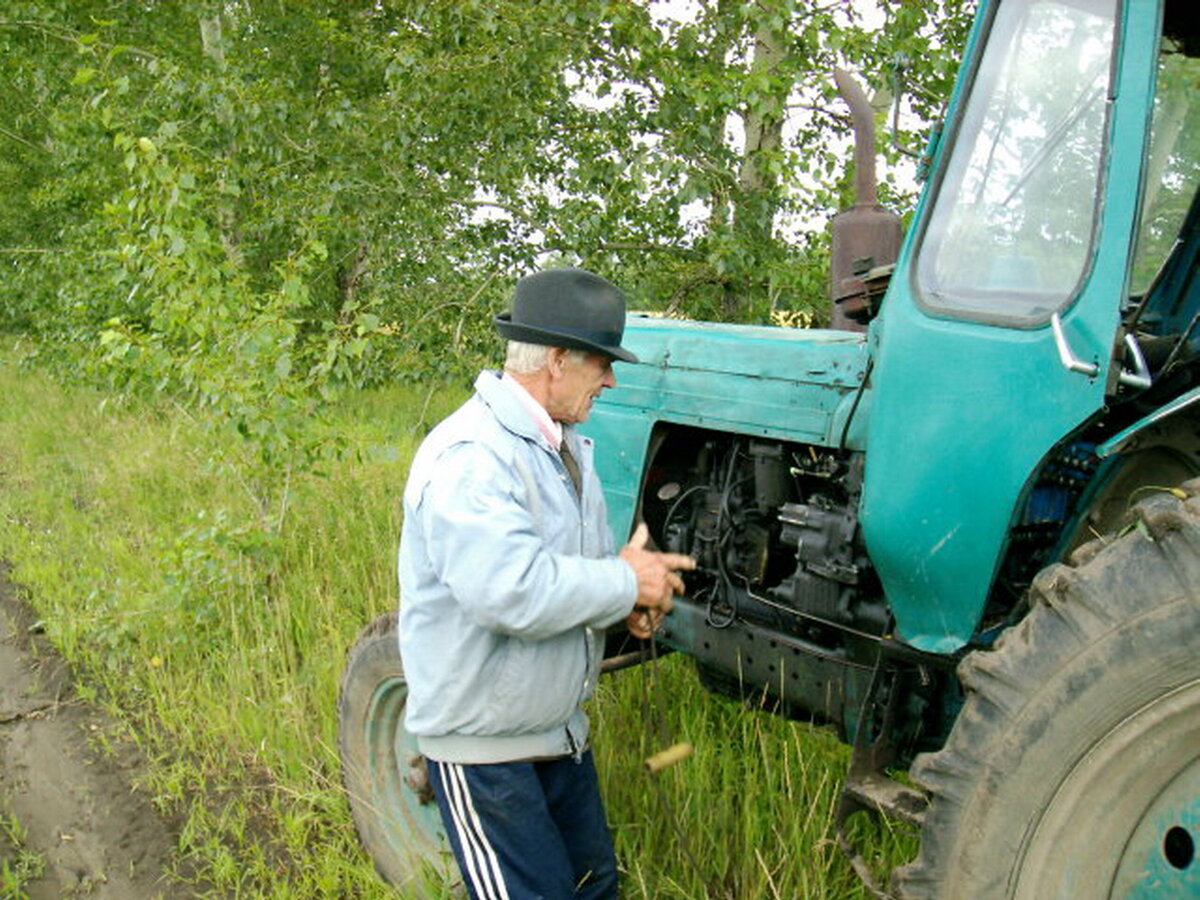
{"x": 1124, "y": 439}
{"x": 1161, "y": 449}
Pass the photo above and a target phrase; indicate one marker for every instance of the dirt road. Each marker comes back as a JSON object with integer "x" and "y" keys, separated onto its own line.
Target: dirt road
{"x": 97, "y": 834}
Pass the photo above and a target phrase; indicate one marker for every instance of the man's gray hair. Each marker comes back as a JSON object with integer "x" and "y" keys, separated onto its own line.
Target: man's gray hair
{"x": 525, "y": 359}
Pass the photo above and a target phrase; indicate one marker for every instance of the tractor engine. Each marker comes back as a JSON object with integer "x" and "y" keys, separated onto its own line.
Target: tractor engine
{"x": 784, "y": 604}
{"x": 784, "y": 608}
{"x": 773, "y": 528}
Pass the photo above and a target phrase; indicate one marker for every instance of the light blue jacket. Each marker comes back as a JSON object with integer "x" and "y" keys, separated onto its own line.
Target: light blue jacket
{"x": 507, "y": 580}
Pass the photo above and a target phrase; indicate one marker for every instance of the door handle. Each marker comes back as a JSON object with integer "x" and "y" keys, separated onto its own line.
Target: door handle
{"x": 1072, "y": 362}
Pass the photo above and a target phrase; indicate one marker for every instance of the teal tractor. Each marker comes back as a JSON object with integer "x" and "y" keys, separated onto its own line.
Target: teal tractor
{"x": 964, "y": 526}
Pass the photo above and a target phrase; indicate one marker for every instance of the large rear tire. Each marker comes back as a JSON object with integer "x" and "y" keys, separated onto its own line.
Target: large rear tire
{"x": 1073, "y": 770}
{"x": 396, "y": 819}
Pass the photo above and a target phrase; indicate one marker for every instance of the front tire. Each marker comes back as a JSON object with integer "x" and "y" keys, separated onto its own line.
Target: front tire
{"x": 1073, "y": 770}
{"x": 397, "y": 820}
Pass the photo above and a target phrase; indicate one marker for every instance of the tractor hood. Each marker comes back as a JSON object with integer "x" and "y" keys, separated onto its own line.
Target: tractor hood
{"x": 783, "y": 382}
{"x": 790, "y": 384}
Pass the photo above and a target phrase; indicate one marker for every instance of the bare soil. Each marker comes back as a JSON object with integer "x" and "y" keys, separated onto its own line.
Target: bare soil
{"x": 70, "y": 784}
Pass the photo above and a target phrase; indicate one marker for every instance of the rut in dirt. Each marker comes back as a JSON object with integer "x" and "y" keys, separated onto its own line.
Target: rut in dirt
{"x": 95, "y": 831}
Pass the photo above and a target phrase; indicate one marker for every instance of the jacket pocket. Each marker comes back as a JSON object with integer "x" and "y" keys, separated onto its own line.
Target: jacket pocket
{"x": 538, "y": 685}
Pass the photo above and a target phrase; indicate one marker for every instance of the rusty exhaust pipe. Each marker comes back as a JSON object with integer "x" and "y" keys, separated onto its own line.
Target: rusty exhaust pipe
{"x": 864, "y": 239}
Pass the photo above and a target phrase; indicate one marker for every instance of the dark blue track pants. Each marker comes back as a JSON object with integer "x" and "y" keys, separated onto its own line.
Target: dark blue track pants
{"x": 528, "y": 830}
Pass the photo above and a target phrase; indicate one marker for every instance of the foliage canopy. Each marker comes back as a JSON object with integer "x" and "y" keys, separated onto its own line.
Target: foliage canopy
{"x": 371, "y": 176}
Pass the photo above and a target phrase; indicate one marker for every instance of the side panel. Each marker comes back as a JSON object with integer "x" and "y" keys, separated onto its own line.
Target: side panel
{"x": 964, "y": 410}
{"x": 772, "y": 382}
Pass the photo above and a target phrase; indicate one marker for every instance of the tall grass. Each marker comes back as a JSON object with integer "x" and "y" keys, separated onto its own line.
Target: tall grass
{"x": 220, "y": 648}
{"x": 750, "y": 814}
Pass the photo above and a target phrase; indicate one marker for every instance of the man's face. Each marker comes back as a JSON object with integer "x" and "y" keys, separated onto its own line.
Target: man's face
{"x": 576, "y": 385}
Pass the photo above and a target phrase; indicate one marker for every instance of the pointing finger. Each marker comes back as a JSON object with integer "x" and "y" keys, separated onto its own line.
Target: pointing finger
{"x": 677, "y": 560}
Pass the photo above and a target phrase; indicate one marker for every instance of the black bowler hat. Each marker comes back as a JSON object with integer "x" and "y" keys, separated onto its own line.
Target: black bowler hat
{"x": 567, "y": 308}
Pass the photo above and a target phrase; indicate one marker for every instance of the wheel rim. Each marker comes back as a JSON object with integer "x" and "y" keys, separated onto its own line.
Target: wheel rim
{"x": 1160, "y": 859}
{"x": 1103, "y": 832}
{"x": 412, "y": 828}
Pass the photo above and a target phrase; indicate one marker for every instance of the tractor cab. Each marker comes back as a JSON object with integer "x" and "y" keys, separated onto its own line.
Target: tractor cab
{"x": 1044, "y": 300}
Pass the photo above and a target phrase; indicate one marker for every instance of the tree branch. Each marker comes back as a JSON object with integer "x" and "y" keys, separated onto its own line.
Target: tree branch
{"x": 66, "y": 34}
{"x": 688, "y": 286}
{"x": 512, "y": 211}
{"x": 19, "y": 139}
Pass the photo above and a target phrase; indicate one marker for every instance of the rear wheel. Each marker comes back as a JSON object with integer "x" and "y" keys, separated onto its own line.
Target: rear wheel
{"x": 383, "y": 771}
{"x": 1073, "y": 769}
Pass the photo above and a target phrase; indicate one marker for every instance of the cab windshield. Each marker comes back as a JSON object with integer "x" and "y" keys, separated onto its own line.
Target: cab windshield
{"x": 1009, "y": 238}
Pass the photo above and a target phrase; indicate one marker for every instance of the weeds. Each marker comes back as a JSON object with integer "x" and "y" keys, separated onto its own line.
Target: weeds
{"x": 748, "y": 815}
{"x": 18, "y": 866}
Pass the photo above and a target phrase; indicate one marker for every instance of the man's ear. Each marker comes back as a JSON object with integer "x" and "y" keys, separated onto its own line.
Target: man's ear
{"x": 556, "y": 361}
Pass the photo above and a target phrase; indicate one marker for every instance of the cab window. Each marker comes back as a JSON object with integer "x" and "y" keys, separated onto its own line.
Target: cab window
{"x": 1173, "y": 158}
{"x": 1009, "y": 238}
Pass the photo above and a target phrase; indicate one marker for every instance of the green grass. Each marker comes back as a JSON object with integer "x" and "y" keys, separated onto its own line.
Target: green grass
{"x": 18, "y": 865}
{"x": 221, "y": 650}
{"x": 748, "y": 815}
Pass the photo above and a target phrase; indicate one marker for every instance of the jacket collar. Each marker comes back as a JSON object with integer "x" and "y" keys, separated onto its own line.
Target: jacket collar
{"x": 552, "y": 431}
{"x": 507, "y": 407}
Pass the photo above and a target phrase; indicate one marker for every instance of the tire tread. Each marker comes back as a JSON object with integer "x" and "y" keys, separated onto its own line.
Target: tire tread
{"x": 1073, "y": 605}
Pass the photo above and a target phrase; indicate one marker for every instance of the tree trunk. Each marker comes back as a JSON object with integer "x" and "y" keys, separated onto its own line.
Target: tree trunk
{"x": 754, "y": 202}
{"x": 349, "y": 278}
{"x": 212, "y": 42}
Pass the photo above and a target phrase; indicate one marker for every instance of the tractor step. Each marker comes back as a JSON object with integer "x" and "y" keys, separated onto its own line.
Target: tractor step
{"x": 878, "y": 793}
{"x": 873, "y": 792}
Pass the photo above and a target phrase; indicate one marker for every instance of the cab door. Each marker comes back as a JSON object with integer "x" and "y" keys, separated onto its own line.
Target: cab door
{"x": 996, "y": 338}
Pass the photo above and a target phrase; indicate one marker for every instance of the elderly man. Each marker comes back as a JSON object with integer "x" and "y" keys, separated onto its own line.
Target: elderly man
{"x": 508, "y": 579}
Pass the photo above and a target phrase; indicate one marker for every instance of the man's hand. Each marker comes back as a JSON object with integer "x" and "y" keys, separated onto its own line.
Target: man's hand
{"x": 658, "y": 582}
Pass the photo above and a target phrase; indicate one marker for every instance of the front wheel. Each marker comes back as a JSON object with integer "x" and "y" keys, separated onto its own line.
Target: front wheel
{"x": 1073, "y": 770}
{"x": 382, "y": 769}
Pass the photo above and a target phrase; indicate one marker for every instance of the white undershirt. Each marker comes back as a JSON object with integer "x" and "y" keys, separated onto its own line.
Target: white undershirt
{"x": 551, "y": 430}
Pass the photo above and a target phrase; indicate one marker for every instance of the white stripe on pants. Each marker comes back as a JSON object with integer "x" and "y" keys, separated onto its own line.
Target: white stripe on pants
{"x": 484, "y": 868}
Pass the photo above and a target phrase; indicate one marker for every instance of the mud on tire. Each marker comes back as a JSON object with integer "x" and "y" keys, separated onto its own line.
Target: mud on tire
{"x": 1073, "y": 769}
